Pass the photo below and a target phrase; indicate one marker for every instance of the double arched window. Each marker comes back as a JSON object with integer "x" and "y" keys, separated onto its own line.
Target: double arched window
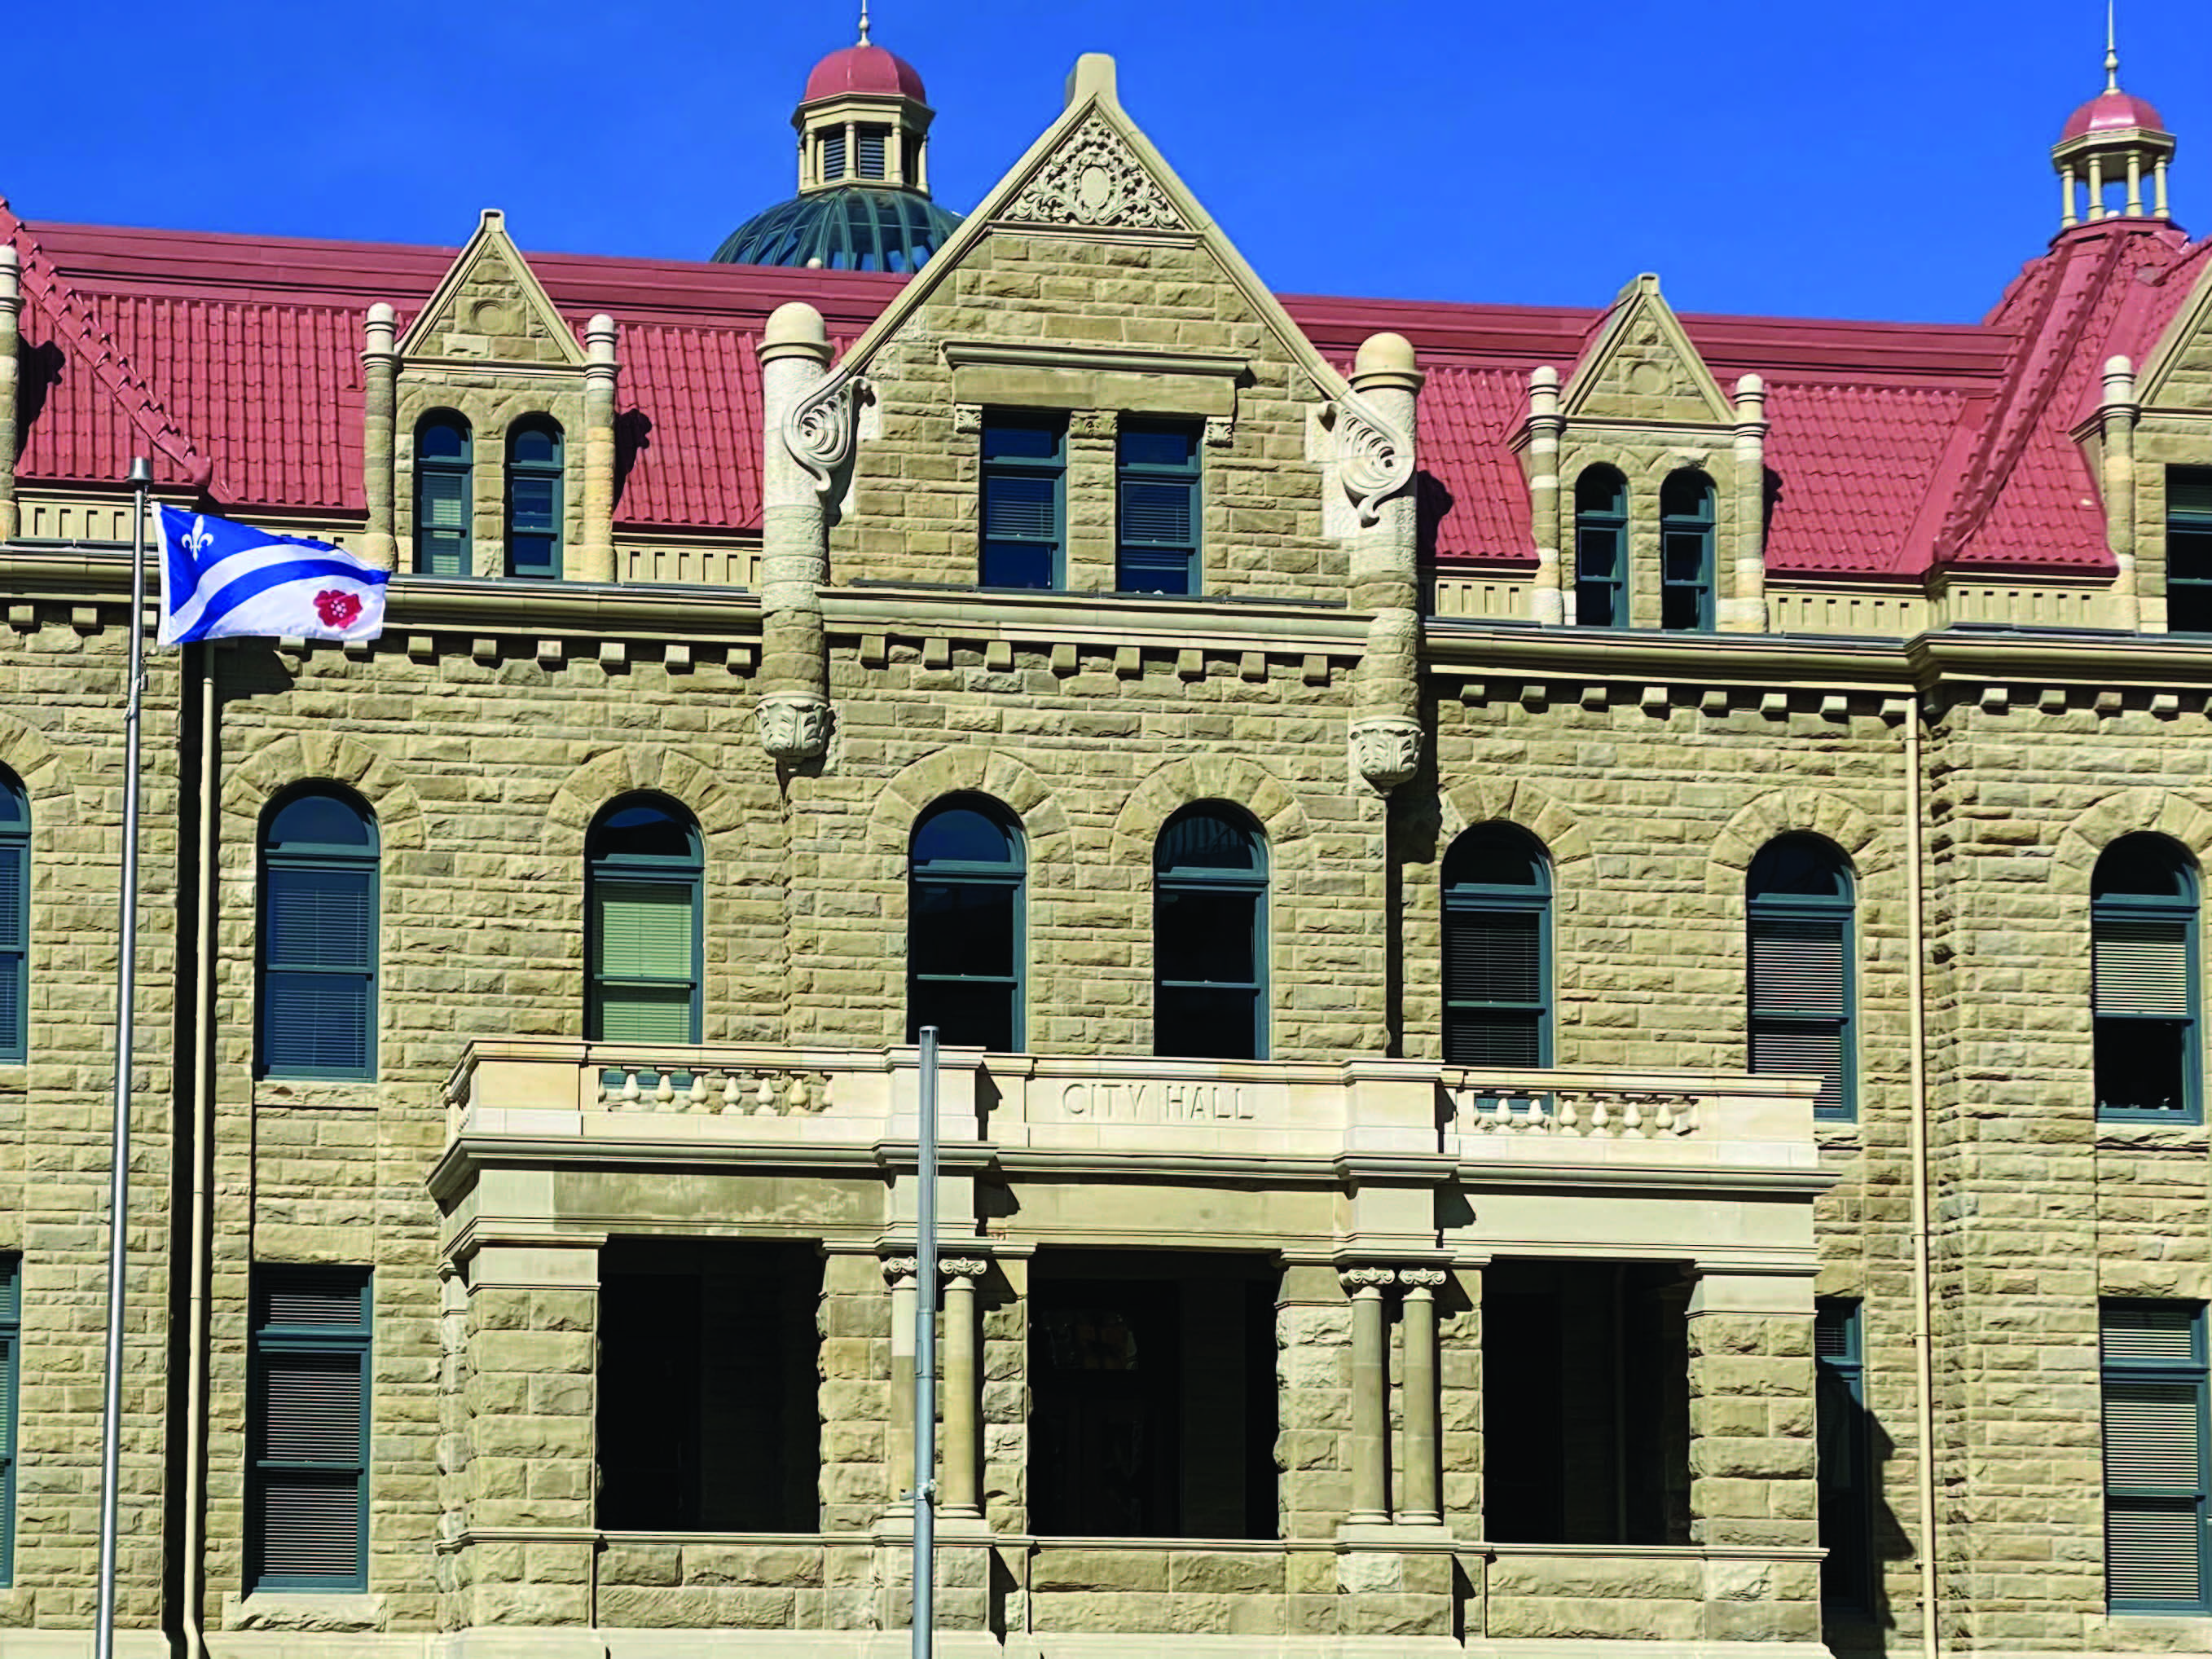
{"x": 965, "y": 926}
{"x": 643, "y": 871}
{"x": 444, "y": 463}
{"x": 318, "y": 935}
{"x": 1601, "y": 549}
{"x": 1798, "y": 901}
{"x": 2142, "y": 923}
{"x": 14, "y": 920}
{"x": 1210, "y": 935}
{"x": 533, "y": 498}
{"x": 1497, "y": 950}
{"x": 1686, "y": 551}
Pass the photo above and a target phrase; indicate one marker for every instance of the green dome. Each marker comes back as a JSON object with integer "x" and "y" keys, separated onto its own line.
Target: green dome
{"x": 852, "y": 227}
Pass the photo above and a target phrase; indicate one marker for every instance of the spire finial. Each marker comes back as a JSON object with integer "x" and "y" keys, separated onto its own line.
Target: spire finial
{"x": 864, "y": 19}
{"x": 2112, "y": 49}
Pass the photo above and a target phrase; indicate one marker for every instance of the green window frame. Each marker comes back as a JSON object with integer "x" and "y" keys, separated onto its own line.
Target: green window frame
{"x": 1845, "y": 1453}
{"x": 644, "y": 876}
{"x": 445, "y": 497}
{"x": 533, "y": 498}
{"x": 14, "y": 921}
{"x": 2143, "y": 975}
{"x": 2189, "y": 550}
{"x": 1686, "y": 552}
{"x": 1024, "y": 500}
{"x": 1155, "y": 506}
{"x": 2152, "y": 1371}
{"x": 318, "y": 935}
{"x": 11, "y": 1374}
{"x": 1800, "y": 905}
{"x": 307, "y": 1429}
{"x": 1497, "y": 950}
{"x": 1210, "y": 935}
{"x": 1601, "y": 549}
{"x": 964, "y": 924}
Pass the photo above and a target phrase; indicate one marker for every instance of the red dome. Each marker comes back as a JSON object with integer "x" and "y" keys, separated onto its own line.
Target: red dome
{"x": 867, "y": 71}
{"x": 2108, "y": 112}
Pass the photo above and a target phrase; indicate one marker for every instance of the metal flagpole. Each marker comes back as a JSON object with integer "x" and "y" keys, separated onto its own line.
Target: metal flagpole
{"x": 126, "y": 987}
{"x": 925, "y": 1358}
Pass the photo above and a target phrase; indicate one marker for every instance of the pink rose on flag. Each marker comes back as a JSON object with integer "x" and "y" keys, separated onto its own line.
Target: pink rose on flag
{"x": 337, "y": 609}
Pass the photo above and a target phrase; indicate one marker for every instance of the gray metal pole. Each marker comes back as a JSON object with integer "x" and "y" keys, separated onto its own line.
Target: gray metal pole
{"x": 925, "y": 1358}
{"x": 126, "y": 990}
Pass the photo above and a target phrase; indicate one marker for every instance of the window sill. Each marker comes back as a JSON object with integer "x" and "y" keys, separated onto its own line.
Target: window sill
{"x": 321, "y": 1611}
{"x": 2123, "y": 1137}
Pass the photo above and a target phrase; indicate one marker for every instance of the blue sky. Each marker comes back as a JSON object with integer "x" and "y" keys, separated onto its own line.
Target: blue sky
{"x": 1855, "y": 158}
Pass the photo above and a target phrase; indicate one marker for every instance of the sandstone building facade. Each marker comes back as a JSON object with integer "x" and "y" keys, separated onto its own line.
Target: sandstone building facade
{"x": 1569, "y": 938}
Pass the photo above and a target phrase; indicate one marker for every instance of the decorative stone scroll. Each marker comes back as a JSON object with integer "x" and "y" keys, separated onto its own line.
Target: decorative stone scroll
{"x": 1356, "y": 1280}
{"x": 794, "y": 725}
{"x": 1422, "y": 1279}
{"x": 1376, "y": 460}
{"x": 1095, "y": 179}
{"x": 956, "y": 1266}
{"x": 820, "y": 428}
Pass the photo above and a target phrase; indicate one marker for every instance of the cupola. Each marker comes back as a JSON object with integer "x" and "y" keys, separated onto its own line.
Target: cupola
{"x": 2115, "y": 139}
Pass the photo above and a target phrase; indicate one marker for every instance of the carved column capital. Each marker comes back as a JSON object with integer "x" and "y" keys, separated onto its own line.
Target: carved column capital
{"x": 1356, "y": 1280}
{"x": 1387, "y": 751}
{"x": 968, "y": 1267}
{"x": 1423, "y": 1278}
{"x": 897, "y": 1268}
{"x": 794, "y": 725}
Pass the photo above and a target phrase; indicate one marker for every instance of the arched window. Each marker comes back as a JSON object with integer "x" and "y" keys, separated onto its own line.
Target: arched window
{"x": 643, "y": 872}
{"x": 1210, "y": 936}
{"x": 319, "y": 904}
{"x": 533, "y": 498}
{"x": 15, "y": 923}
{"x": 1497, "y": 950}
{"x": 1601, "y": 549}
{"x": 964, "y": 954}
{"x": 1686, "y": 551}
{"x": 1798, "y": 901}
{"x": 2143, "y": 926}
{"x": 444, "y": 462}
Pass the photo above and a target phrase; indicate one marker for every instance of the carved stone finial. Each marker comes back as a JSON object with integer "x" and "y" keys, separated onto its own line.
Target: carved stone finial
{"x": 794, "y": 725}
{"x": 1387, "y": 750}
{"x": 1095, "y": 178}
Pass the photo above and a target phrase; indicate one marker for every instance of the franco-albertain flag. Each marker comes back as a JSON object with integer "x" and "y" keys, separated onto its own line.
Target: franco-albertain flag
{"x": 220, "y": 577}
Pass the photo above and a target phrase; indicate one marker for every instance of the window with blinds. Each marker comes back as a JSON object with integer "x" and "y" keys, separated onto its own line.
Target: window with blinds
{"x": 1025, "y": 514}
{"x": 1496, "y": 955}
{"x": 308, "y": 1430}
{"x": 318, "y": 938}
{"x": 2154, "y": 1377}
{"x": 2143, "y": 926}
{"x": 872, "y": 144}
{"x": 965, "y": 926}
{"x": 833, "y": 155}
{"x": 1686, "y": 551}
{"x": 643, "y": 877}
{"x": 1210, "y": 936}
{"x": 443, "y": 507}
{"x": 2189, "y": 550}
{"x": 14, "y": 921}
{"x": 533, "y": 498}
{"x": 1155, "y": 506}
{"x": 1601, "y": 549}
{"x": 1845, "y": 1468}
{"x": 11, "y": 1370}
{"x": 1798, "y": 906}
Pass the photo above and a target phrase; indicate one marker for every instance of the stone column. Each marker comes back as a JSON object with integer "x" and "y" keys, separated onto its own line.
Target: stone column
{"x": 1548, "y": 600}
{"x": 2067, "y": 217}
{"x": 380, "y": 401}
{"x": 2158, "y": 191}
{"x": 1386, "y": 692}
{"x": 1370, "y": 1385}
{"x": 1745, "y": 612}
{"x": 2096, "y": 188}
{"x": 1418, "y": 1503}
{"x": 964, "y": 1382}
{"x": 2118, "y": 413}
{"x": 595, "y": 558}
{"x": 11, "y": 305}
{"x": 898, "y": 1447}
{"x": 2135, "y": 185}
{"x": 793, "y": 708}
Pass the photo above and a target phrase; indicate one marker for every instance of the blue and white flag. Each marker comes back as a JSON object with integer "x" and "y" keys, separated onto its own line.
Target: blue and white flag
{"x": 220, "y": 577}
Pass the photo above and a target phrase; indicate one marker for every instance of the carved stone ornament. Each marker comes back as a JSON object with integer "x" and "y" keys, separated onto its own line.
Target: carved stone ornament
{"x": 794, "y": 725}
{"x": 1377, "y": 459}
{"x": 966, "y": 417}
{"x": 1387, "y": 751}
{"x": 1421, "y": 1279}
{"x": 1220, "y": 431}
{"x": 819, "y": 429}
{"x": 1095, "y": 179}
{"x": 1092, "y": 422}
{"x": 897, "y": 1268}
{"x": 962, "y": 1267}
{"x": 1367, "y": 1279}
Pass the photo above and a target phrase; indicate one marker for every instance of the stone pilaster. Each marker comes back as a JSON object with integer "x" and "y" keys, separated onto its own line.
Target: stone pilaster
{"x": 1548, "y": 595}
{"x": 793, "y": 710}
{"x": 1744, "y": 610}
{"x": 1752, "y": 1450}
{"x": 595, "y": 556}
{"x": 1371, "y": 1387}
{"x": 1459, "y": 1414}
{"x": 1386, "y": 730}
{"x": 380, "y": 401}
{"x": 2131, "y": 607}
{"x": 11, "y": 306}
{"x": 1088, "y": 559}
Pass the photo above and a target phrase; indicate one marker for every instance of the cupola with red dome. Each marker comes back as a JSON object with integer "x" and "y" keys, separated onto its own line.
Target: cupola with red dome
{"x": 2114, "y": 140}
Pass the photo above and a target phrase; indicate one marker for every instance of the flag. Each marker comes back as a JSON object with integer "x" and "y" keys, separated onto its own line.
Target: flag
{"x": 220, "y": 577}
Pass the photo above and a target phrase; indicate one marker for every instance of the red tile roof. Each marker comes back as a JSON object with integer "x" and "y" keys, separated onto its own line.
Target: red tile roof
{"x": 235, "y": 361}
